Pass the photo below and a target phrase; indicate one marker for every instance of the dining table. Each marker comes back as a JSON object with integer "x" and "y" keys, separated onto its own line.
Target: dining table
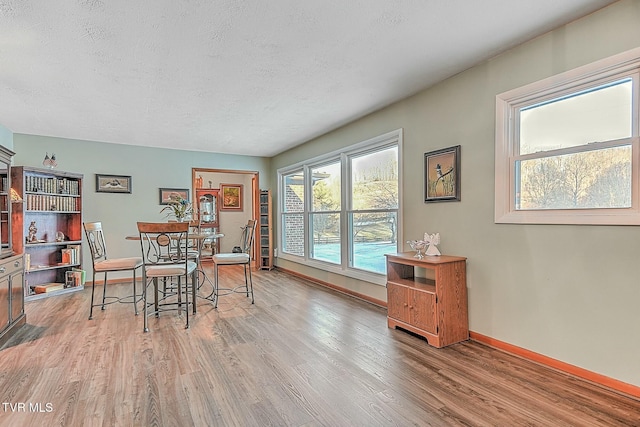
{"x": 200, "y": 238}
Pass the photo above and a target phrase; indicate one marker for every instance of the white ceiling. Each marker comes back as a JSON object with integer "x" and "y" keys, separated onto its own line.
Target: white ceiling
{"x": 247, "y": 77}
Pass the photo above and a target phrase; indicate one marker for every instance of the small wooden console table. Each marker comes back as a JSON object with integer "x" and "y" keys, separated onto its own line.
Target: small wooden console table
{"x": 428, "y": 297}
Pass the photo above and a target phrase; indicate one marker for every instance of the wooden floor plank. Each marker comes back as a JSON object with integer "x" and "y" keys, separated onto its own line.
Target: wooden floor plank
{"x": 302, "y": 355}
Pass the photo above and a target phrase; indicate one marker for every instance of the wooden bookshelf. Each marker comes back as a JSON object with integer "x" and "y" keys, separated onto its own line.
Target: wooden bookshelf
{"x": 52, "y": 203}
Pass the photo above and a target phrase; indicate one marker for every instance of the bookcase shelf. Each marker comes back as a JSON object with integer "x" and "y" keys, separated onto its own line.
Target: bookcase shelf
{"x": 52, "y": 204}
{"x": 265, "y": 231}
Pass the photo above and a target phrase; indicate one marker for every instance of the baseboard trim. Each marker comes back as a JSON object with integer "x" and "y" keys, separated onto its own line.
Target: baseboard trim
{"x": 601, "y": 380}
{"x": 340, "y": 289}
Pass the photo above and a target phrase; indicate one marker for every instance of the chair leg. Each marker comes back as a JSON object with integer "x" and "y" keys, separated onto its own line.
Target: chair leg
{"x": 194, "y": 286}
{"x": 104, "y": 290}
{"x": 250, "y": 282}
{"x": 246, "y": 281}
{"x": 93, "y": 288}
{"x": 186, "y": 297}
{"x": 135, "y": 295}
{"x": 155, "y": 287}
{"x": 215, "y": 285}
{"x": 145, "y": 309}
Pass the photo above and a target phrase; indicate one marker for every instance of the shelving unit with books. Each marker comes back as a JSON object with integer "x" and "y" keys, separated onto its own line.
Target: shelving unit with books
{"x": 47, "y": 228}
{"x": 266, "y": 246}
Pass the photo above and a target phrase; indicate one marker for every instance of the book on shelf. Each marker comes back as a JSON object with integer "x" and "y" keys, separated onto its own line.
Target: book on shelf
{"x": 81, "y": 275}
{"x": 73, "y": 278}
{"x": 70, "y": 255}
{"x": 48, "y": 287}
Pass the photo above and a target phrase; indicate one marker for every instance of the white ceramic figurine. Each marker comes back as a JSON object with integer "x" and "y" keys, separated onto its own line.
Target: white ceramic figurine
{"x": 432, "y": 240}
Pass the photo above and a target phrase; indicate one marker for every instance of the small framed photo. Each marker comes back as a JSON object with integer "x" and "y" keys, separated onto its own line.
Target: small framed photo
{"x": 442, "y": 175}
{"x": 231, "y": 195}
{"x": 166, "y": 194}
{"x": 113, "y": 183}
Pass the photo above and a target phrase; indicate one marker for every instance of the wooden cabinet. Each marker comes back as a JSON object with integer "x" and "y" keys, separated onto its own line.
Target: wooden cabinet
{"x": 428, "y": 297}
{"x": 265, "y": 231}
{"x": 47, "y": 228}
{"x": 6, "y": 242}
{"x": 12, "y": 314}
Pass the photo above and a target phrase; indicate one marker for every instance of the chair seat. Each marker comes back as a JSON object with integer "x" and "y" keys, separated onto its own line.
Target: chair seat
{"x": 114, "y": 264}
{"x": 163, "y": 270}
{"x": 231, "y": 258}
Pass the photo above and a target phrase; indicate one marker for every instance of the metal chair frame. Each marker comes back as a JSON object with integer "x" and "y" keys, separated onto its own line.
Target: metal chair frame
{"x": 243, "y": 258}
{"x": 101, "y": 263}
{"x": 165, "y": 255}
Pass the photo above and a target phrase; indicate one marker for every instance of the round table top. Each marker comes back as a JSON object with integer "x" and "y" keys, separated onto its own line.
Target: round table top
{"x": 197, "y": 236}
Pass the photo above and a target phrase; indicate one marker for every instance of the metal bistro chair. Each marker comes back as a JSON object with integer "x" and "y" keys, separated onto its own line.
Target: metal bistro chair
{"x": 103, "y": 264}
{"x": 241, "y": 258}
{"x": 165, "y": 257}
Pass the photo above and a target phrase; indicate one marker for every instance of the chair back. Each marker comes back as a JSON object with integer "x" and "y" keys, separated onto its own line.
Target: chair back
{"x": 96, "y": 241}
{"x": 248, "y": 234}
{"x": 164, "y": 242}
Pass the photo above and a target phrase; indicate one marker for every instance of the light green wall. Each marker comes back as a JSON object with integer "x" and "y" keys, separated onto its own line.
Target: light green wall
{"x": 6, "y": 137}
{"x": 571, "y": 293}
{"x": 150, "y": 169}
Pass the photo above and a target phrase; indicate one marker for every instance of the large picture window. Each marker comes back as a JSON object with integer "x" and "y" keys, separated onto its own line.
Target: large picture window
{"x": 567, "y": 147}
{"x": 339, "y": 212}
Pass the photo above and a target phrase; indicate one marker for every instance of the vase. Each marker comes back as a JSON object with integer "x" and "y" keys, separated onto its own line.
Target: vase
{"x": 180, "y": 219}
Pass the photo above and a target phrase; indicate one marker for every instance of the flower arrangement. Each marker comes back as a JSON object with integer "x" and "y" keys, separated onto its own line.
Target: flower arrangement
{"x": 178, "y": 207}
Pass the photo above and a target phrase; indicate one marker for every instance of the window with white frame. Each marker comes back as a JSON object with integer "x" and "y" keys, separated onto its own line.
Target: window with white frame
{"x": 339, "y": 211}
{"x": 567, "y": 148}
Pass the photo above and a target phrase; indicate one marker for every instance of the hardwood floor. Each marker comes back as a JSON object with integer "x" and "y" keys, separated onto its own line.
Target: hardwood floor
{"x": 301, "y": 356}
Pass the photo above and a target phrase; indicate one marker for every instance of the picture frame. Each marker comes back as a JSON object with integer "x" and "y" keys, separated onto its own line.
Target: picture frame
{"x": 113, "y": 183}
{"x": 231, "y": 195}
{"x": 442, "y": 175}
{"x": 165, "y": 194}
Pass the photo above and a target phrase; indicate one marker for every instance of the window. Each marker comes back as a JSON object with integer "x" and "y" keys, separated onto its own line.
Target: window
{"x": 325, "y": 212}
{"x": 293, "y": 213}
{"x": 374, "y": 212}
{"x": 567, "y": 147}
{"x": 339, "y": 212}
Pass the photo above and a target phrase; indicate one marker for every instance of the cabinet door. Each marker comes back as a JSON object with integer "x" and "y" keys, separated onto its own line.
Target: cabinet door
{"x": 4, "y": 302}
{"x": 397, "y": 302}
{"x": 422, "y": 310}
{"x": 17, "y": 294}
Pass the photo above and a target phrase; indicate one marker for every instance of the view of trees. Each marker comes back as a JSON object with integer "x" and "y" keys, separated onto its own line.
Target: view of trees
{"x": 375, "y": 187}
{"x": 592, "y": 179}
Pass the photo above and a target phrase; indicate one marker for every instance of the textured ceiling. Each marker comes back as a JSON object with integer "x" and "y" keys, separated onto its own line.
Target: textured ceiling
{"x": 244, "y": 77}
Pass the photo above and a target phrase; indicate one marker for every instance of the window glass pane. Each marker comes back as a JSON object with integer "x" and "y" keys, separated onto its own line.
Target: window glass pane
{"x": 374, "y": 180}
{"x": 326, "y": 237}
{"x": 373, "y": 235}
{"x": 600, "y": 114}
{"x": 293, "y": 234}
{"x": 325, "y": 181}
{"x": 293, "y": 200}
{"x": 586, "y": 180}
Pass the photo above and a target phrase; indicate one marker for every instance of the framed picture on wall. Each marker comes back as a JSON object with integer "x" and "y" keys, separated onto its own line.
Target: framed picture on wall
{"x": 231, "y": 195}
{"x": 442, "y": 175}
{"x": 113, "y": 183}
{"x": 166, "y": 194}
